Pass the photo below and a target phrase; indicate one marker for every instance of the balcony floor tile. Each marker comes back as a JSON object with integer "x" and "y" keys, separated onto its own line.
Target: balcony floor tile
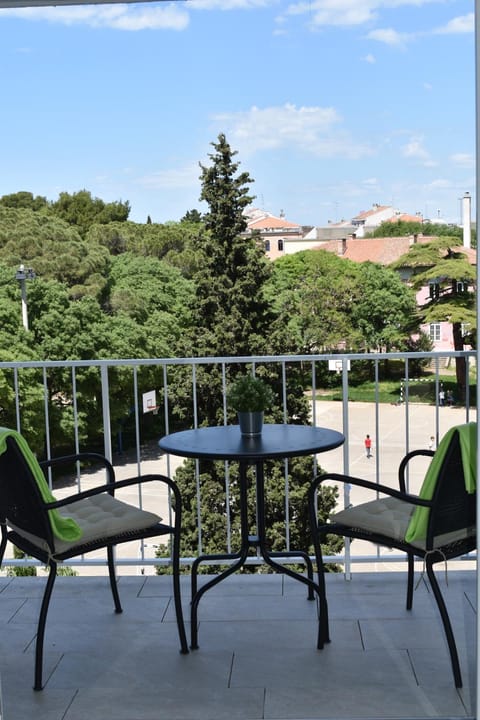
{"x": 257, "y": 658}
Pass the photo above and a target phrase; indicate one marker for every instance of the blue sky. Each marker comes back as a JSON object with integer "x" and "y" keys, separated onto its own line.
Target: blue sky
{"x": 332, "y": 105}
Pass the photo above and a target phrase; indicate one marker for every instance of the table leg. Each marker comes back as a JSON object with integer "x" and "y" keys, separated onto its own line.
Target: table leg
{"x": 259, "y": 541}
{"x": 197, "y": 594}
{"x": 240, "y": 558}
{"x": 313, "y": 587}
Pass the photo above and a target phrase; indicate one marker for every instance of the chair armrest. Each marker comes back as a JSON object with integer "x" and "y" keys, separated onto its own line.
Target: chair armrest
{"x": 69, "y": 459}
{"x": 375, "y": 487}
{"x": 403, "y": 465}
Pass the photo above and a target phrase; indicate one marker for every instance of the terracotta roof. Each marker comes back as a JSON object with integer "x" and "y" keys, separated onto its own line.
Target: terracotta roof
{"x": 379, "y": 250}
{"x": 405, "y": 217}
{"x": 271, "y": 222}
{"x": 373, "y": 211}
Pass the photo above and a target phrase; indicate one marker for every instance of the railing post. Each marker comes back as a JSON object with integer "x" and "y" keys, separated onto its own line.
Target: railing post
{"x": 107, "y": 434}
{"x": 346, "y": 460}
{"x": 477, "y": 357}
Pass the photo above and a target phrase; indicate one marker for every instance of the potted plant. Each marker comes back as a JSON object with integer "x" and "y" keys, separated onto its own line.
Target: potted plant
{"x": 250, "y": 396}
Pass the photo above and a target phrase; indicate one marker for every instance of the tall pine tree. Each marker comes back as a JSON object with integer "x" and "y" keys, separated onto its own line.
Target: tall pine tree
{"x": 233, "y": 318}
{"x": 232, "y": 315}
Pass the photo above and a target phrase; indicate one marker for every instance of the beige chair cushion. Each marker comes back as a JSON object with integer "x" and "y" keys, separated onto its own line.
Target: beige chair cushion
{"x": 386, "y": 516}
{"x": 99, "y": 516}
{"x": 390, "y": 516}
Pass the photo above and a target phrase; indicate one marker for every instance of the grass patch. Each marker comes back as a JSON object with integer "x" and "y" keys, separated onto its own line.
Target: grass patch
{"x": 389, "y": 391}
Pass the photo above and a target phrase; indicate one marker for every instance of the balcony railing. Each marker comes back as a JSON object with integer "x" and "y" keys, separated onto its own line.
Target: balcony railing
{"x": 63, "y": 393}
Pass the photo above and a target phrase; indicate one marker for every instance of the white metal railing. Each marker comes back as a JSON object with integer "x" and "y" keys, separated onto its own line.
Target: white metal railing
{"x": 17, "y": 383}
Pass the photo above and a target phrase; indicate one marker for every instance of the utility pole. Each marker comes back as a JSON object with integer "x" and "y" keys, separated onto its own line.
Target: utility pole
{"x": 22, "y": 276}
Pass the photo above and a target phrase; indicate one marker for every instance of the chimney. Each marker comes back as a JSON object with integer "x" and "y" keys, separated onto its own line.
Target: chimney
{"x": 342, "y": 246}
{"x": 467, "y": 220}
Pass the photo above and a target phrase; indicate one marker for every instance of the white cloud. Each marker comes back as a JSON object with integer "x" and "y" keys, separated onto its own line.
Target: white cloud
{"x": 346, "y": 12}
{"x": 315, "y": 130}
{"x": 370, "y": 182}
{"x": 335, "y": 12}
{"x": 177, "y": 178}
{"x": 370, "y": 59}
{"x": 439, "y": 184}
{"x": 464, "y": 160}
{"x": 119, "y": 16}
{"x": 390, "y": 37}
{"x": 415, "y": 150}
{"x": 227, "y": 4}
{"x": 461, "y": 24}
{"x": 351, "y": 13}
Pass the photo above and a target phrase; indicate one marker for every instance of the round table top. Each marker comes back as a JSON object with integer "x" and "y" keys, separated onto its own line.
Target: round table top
{"x": 227, "y": 443}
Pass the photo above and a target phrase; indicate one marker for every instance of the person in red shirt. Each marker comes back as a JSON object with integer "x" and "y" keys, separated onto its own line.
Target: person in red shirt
{"x": 368, "y": 446}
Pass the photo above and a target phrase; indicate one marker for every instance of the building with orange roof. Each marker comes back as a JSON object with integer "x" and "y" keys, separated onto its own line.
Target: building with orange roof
{"x": 368, "y": 220}
{"x": 274, "y": 231}
{"x": 385, "y": 251}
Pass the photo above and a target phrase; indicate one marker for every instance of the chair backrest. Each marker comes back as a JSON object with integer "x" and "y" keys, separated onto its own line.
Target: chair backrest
{"x": 453, "y": 507}
{"x": 21, "y": 503}
{"x": 450, "y": 485}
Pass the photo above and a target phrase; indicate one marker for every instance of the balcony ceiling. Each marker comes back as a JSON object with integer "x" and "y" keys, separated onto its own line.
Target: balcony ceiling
{"x": 44, "y": 3}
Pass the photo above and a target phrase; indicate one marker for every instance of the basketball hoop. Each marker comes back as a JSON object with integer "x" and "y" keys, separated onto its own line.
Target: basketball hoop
{"x": 150, "y": 402}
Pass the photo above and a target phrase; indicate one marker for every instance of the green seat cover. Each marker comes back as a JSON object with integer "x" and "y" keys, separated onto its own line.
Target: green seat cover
{"x": 417, "y": 528}
{"x": 63, "y": 528}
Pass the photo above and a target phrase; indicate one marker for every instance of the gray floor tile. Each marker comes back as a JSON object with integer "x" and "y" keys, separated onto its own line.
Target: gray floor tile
{"x": 257, "y": 656}
{"x": 123, "y": 704}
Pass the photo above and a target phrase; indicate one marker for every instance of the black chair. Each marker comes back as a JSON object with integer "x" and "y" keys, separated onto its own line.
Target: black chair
{"x": 440, "y": 523}
{"x": 30, "y": 518}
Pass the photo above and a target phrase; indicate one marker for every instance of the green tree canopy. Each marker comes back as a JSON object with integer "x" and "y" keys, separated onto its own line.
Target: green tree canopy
{"x": 385, "y": 310}
{"x": 328, "y": 302}
{"x": 83, "y": 210}
{"x": 231, "y": 313}
{"x": 53, "y": 249}
{"x": 25, "y": 200}
{"x": 154, "y": 295}
{"x": 445, "y": 268}
{"x": 401, "y": 228}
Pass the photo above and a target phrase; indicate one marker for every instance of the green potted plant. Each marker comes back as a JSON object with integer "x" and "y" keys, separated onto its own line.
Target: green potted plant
{"x": 250, "y": 396}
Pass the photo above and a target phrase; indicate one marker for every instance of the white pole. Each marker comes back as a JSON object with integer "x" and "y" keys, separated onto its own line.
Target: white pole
{"x": 477, "y": 215}
{"x": 23, "y": 287}
{"x": 22, "y": 275}
{"x": 467, "y": 220}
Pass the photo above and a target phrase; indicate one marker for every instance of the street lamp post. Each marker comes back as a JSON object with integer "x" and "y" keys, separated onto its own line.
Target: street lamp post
{"x": 23, "y": 274}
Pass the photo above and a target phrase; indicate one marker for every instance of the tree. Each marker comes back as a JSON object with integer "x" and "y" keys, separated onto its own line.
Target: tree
{"x": 231, "y": 315}
{"x": 81, "y": 210}
{"x": 385, "y": 310}
{"x": 444, "y": 267}
{"x": 54, "y": 249}
{"x": 230, "y": 309}
{"x": 24, "y": 200}
{"x": 155, "y": 296}
{"x": 174, "y": 242}
{"x": 329, "y": 303}
{"x": 192, "y": 216}
{"x": 315, "y": 293}
{"x": 401, "y": 228}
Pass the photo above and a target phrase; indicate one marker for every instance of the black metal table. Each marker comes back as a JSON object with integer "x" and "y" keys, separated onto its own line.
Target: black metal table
{"x": 275, "y": 442}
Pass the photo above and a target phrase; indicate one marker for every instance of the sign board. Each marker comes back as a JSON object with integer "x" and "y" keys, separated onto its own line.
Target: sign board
{"x": 149, "y": 401}
{"x": 337, "y": 365}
